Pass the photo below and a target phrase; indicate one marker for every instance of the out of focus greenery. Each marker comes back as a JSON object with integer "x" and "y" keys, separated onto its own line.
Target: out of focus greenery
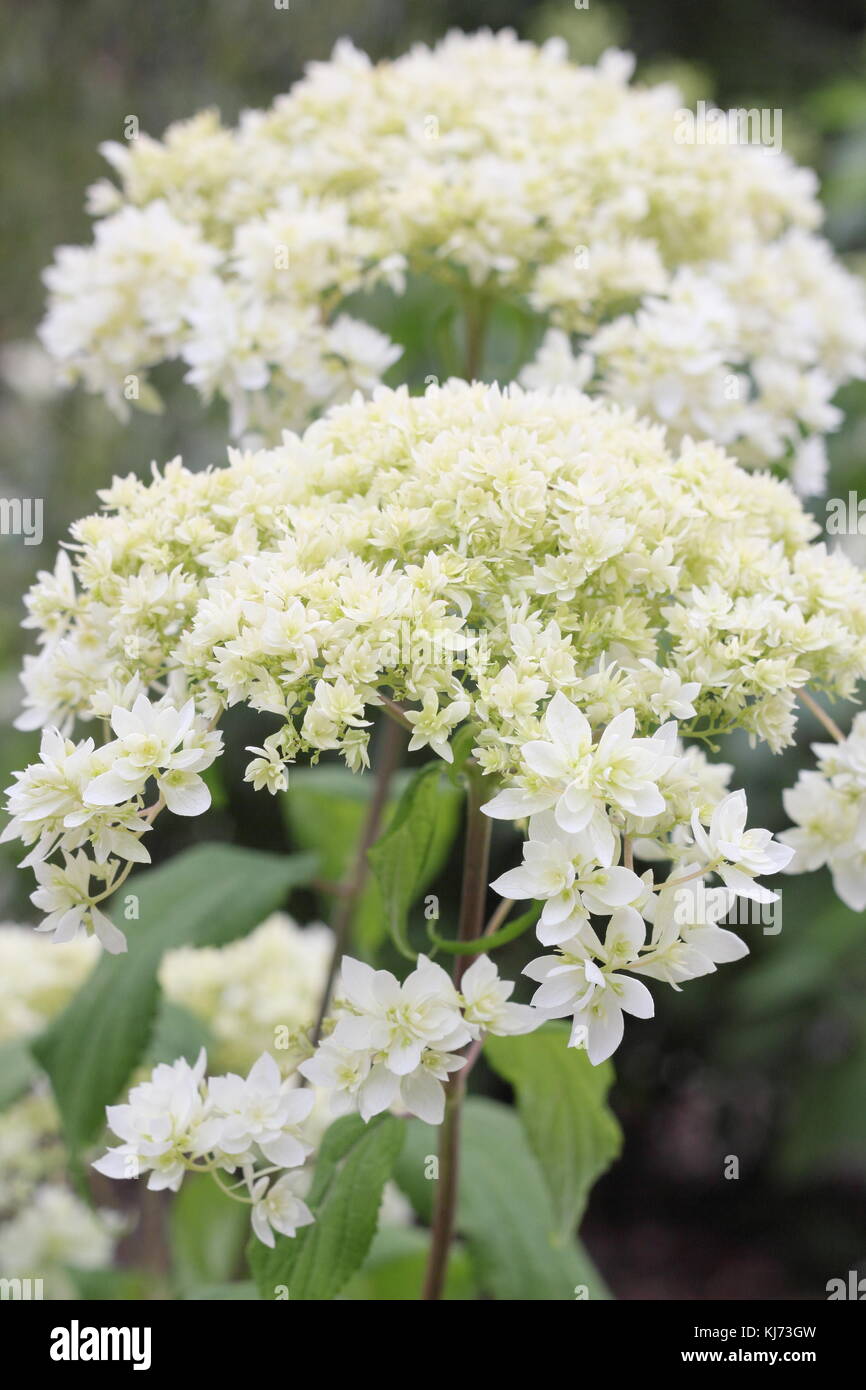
{"x": 765, "y": 1061}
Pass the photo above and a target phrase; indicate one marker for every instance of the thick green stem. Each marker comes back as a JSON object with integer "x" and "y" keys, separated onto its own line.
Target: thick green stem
{"x": 446, "y": 1191}
{"x": 472, "y": 905}
{"x": 389, "y": 757}
{"x": 473, "y": 897}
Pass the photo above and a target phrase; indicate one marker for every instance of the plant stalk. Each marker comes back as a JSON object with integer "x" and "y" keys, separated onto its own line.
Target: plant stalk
{"x": 390, "y": 755}
{"x": 821, "y": 715}
{"x": 472, "y": 904}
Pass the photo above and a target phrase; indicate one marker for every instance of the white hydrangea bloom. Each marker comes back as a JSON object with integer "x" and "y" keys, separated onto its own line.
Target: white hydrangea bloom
{"x": 686, "y": 940}
{"x": 683, "y": 278}
{"x": 737, "y": 854}
{"x": 31, "y": 1148}
{"x": 395, "y": 1044}
{"x": 43, "y": 1225}
{"x": 258, "y": 994}
{"x": 261, "y": 1110}
{"x": 575, "y": 876}
{"x": 159, "y": 742}
{"x": 243, "y": 318}
{"x": 165, "y": 1123}
{"x": 566, "y": 871}
{"x": 572, "y": 984}
{"x": 392, "y": 555}
{"x": 828, "y": 807}
{"x": 124, "y": 293}
{"x": 179, "y": 1121}
{"x": 36, "y": 982}
{"x": 54, "y": 1230}
{"x": 392, "y": 1042}
{"x": 580, "y": 778}
{"x": 486, "y": 1002}
{"x": 585, "y": 978}
{"x": 279, "y": 1206}
{"x": 78, "y": 794}
{"x": 683, "y": 356}
{"x": 70, "y": 904}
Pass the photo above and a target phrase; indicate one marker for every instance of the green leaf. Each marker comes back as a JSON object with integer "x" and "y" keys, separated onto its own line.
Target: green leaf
{"x": 244, "y": 1291}
{"x": 561, "y": 1100}
{"x": 393, "y": 1272}
{"x": 116, "y": 1285}
{"x": 504, "y": 1211}
{"x": 354, "y": 1163}
{"x": 176, "y": 1033}
{"x": 208, "y": 1234}
{"x": 18, "y": 1071}
{"x": 339, "y": 1140}
{"x": 325, "y": 809}
{"x": 411, "y": 852}
{"x": 207, "y": 897}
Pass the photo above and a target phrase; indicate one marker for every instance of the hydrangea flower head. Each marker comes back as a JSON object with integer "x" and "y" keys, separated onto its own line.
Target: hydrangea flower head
{"x": 388, "y": 557}
{"x": 684, "y": 278}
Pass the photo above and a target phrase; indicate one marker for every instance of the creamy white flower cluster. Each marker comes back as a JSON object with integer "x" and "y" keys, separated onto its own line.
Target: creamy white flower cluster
{"x": 178, "y": 1121}
{"x": 389, "y": 1045}
{"x": 44, "y": 1226}
{"x": 394, "y": 1043}
{"x": 242, "y": 318}
{"x": 255, "y": 995}
{"x": 36, "y": 983}
{"x": 689, "y": 273}
{"x": 749, "y": 351}
{"x": 459, "y": 557}
{"x": 32, "y": 1153}
{"x": 828, "y": 807}
{"x": 593, "y": 801}
{"x": 80, "y": 795}
{"x": 56, "y": 1230}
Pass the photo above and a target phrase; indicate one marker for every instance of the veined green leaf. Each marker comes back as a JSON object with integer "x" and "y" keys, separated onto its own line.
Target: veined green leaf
{"x": 504, "y": 1211}
{"x": 561, "y": 1099}
{"x": 354, "y": 1163}
{"x": 407, "y": 857}
{"x": 207, "y": 897}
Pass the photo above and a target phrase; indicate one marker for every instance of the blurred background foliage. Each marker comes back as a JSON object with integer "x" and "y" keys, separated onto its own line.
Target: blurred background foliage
{"x": 766, "y": 1061}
